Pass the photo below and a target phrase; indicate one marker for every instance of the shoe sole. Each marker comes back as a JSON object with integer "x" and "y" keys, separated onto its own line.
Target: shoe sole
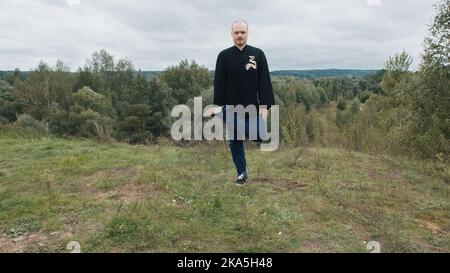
{"x": 239, "y": 184}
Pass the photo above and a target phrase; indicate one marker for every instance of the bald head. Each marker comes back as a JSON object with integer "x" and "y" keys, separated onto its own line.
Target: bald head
{"x": 239, "y": 32}
{"x": 239, "y": 23}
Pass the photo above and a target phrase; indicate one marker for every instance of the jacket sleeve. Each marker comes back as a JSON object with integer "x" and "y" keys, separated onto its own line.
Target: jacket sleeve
{"x": 219, "y": 82}
{"x": 265, "y": 91}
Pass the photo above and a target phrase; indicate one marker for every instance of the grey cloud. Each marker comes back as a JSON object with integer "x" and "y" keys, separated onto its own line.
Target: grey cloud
{"x": 155, "y": 34}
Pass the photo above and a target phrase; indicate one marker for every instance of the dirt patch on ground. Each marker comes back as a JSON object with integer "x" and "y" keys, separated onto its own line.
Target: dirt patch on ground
{"x": 392, "y": 174}
{"x": 434, "y": 228}
{"x": 89, "y": 185}
{"x": 313, "y": 247}
{"x": 29, "y": 242}
{"x": 131, "y": 192}
{"x": 284, "y": 184}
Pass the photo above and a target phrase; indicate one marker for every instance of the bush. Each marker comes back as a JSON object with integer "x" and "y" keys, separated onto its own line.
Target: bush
{"x": 28, "y": 122}
{"x": 63, "y": 123}
{"x": 95, "y": 125}
{"x": 341, "y": 104}
{"x": 293, "y": 126}
{"x": 364, "y": 96}
{"x": 315, "y": 127}
{"x": 3, "y": 121}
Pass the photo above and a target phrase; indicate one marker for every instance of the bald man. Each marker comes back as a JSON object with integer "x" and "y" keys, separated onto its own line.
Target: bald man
{"x": 242, "y": 78}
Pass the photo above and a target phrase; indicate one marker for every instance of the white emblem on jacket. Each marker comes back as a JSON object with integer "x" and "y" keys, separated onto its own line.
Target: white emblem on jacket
{"x": 251, "y": 63}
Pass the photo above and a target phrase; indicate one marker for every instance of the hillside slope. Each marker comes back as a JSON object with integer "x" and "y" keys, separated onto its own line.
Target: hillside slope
{"x": 164, "y": 198}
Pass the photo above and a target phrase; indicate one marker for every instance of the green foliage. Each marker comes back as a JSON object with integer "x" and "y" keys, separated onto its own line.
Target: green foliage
{"x": 355, "y": 106}
{"x": 8, "y": 105}
{"x": 89, "y": 99}
{"x": 364, "y": 96}
{"x": 341, "y": 104}
{"x": 186, "y": 80}
{"x": 28, "y": 122}
{"x": 312, "y": 74}
{"x": 95, "y": 125}
{"x": 90, "y": 116}
{"x": 315, "y": 128}
{"x": 144, "y": 117}
{"x": 63, "y": 122}
{"x": 431, "y": 103}
{"x": 3, "y": 121}
{"x": 44, "y": 88}
{"x": 293, "y": 126}
{"x": 397, "y": 68}
{"x": 293, "y": 90}
{"x": 399, "y": 63}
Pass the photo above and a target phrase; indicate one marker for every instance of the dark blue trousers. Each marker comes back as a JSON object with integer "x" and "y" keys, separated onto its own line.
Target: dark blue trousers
{"x": 237, "y": 145}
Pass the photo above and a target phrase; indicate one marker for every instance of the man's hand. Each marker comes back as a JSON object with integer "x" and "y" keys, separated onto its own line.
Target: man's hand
{"x": 263, "y": 112}
{"x": 212, "y": 111}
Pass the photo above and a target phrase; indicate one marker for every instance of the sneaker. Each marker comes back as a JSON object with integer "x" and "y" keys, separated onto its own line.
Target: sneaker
{"x": 241, "y": 179}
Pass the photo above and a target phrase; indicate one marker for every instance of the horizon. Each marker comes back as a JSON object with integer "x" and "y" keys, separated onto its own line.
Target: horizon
{"x": 162, "y": 70}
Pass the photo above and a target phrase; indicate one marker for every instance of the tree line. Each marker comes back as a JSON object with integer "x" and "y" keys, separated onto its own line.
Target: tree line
{"x": 393, "y": 109}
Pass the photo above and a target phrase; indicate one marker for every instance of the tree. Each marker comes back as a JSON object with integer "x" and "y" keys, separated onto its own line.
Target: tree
{"x": 143, "y": 115}
{"x": 341, "y": 104}
{"x": 45, "y": 88}
{"x": 89, "y": 99}
{"x": 8, "y": 106}
{"x": 160, "y": 105}
{"x": 431, "y": 103}
{"x": 396, "y": 66}
{"x": 399, "y": 63}
{"x": 34, "y": 94}
{"x": 186, "y": 80}
{"x": 91, "y": 115}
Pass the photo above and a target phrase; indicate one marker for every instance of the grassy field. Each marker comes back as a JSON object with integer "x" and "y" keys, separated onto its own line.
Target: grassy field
{"x": 165, "y": 198}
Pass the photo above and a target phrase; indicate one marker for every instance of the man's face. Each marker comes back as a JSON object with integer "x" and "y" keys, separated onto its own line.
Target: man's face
{"x": 239, "y": 34}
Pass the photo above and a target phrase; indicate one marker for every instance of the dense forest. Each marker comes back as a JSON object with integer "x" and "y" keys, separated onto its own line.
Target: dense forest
{"x": 309, "y": 74}
{"x": 392, "y": 110}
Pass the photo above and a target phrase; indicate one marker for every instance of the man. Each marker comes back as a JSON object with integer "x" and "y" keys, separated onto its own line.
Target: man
{"x": 242, "y": 78}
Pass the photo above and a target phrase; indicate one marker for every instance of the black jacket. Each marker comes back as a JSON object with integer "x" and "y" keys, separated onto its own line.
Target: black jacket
{"x": 242, "y": 77}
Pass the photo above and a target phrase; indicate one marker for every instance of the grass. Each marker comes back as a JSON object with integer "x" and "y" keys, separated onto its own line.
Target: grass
{"x": 164, "y": 198}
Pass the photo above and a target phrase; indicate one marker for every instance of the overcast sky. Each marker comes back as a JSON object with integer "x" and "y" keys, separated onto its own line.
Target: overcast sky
{"x": 294, "y": 34}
